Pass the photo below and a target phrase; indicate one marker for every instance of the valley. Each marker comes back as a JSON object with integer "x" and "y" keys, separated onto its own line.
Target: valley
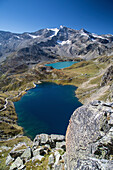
{"x": 23, "y": 64}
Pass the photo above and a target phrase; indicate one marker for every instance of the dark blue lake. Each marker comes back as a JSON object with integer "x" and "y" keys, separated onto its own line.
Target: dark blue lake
{"x": 60, "y": 65}
{"x": 46, "y": 109}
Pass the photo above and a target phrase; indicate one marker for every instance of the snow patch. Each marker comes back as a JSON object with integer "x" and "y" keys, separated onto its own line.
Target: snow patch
{"x": 108, "y": 35}
{"x": 34, "y": 36}
{"x": 55, "y": 30}
{"x": 98, "y": 36}
{"x": 93, "y": 39}
{"x": 64, "y": 42}
{"x": 0, "y": 43}
{"x": 17, "y": 36}
{"x": 61, "y": 26}
{"x": 83, "y": 33}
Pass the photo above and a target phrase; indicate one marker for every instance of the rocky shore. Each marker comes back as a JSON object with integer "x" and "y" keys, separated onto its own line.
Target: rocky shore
{"x": 18, "y": 86}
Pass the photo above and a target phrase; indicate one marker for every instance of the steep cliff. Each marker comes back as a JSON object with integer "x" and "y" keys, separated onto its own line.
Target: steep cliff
{"x": 89, "y": 137}
{"x": 108, "y": 76}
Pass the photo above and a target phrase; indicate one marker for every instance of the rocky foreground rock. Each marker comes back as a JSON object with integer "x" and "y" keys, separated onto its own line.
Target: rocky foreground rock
{"x": 89, "y": 144}
{"x": 89, "y": 137}
{"x": 50, "y": 147}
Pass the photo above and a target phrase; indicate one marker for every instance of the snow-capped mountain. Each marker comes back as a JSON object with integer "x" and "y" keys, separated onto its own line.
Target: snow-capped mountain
{"x": 52, "y": 43}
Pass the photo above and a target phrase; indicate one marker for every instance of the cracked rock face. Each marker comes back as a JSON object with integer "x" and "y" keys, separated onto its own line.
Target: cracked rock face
{"x": 89, "y": 137}
{"x": 108, "y": 76}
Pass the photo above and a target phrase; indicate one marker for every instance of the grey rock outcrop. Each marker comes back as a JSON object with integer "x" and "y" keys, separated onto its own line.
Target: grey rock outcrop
{"x": 27, "y": 154}
{"x": 18, "y": 150}
{"x": 16, "y": 164}
{"x": 89, "y": 137}
{"x": 44, "y": 139}
{"x": 51, "y": 159}
{"x": 15, "y": 154}
{"x": 61, "y": 145}
{"x": 50, "y": 44}
{"x": 57, "y": 157}
{"x": 40, "y": 151}
{"x": 37, "y": 157}
{"x": 9, "y": 159}
{"x": 108, "y": 76}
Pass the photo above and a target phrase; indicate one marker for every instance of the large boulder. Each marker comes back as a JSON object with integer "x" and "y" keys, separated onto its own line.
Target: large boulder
{"x": 39, "y": 151}
{"x": 36, "y": 152}
{"x": 44, "y": 139}
{"x": 57, "y": 138}
{"x": 18, "y": 150}
{"x": 57, "y": 157}
{"x": 37, "y": 157}
{"x": 16, "y": 164}
{"x": 61, "y": 145}
{"x": 41, "y": 139}
{"x": 51, "y": 147}
{"x": 89, "y": 137}
{"x": 18, "y": 153}
{"x": 27, "y": 154}
{"x": 9, "y": 159}
{"x": 51, "y": 159}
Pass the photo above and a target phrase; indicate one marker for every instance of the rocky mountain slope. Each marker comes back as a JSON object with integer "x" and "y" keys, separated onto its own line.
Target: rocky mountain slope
{"x": 89, "y": 138}
{"x": 48, "y": 44}
{"x": 94, "y": 80}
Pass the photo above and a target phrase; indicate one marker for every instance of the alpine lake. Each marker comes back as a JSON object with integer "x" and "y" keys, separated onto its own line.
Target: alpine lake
{"x": 48, "y": 107}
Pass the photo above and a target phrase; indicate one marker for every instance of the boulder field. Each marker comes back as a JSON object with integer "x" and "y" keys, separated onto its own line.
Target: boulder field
{"x": 45, "y": 149}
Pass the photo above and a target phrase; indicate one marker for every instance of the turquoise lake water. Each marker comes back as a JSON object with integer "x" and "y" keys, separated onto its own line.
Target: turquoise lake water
{"x": 60, "y": 65}
{"x": 46, "y": 109}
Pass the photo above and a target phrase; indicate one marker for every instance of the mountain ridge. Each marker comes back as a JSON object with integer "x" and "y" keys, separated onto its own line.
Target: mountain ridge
{"x": 25, "y": 67}
{"x": 56, "y": 43}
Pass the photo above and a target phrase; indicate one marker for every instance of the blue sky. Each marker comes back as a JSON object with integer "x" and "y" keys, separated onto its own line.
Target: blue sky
{"x": 31, "y": 15}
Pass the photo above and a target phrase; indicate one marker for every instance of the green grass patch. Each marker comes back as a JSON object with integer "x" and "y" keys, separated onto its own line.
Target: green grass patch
{"x": 38, "y": 165}
{"x": 12, "y": 142}
{"x": 105, "y": 96}
{"x": 61, "y": 152}
{"x": 96, "y": 80}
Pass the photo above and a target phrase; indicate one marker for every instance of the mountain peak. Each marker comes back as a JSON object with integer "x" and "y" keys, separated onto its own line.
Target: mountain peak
{"x": 62, "y": 41}
{"x": 61, "y": 26}
{"x": 82, "y": 30}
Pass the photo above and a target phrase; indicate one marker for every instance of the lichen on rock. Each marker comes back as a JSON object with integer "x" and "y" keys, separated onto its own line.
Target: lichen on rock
{"x": 89, "y": 137}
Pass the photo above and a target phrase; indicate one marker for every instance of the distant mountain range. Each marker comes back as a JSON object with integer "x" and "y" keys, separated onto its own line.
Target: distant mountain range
{"x": 48, "y": 44}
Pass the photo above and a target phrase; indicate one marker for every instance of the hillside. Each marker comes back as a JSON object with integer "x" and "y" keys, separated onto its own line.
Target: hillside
{"x": 49, "y": 44}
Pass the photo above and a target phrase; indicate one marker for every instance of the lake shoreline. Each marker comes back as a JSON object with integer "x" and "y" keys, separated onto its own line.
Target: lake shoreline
{"x": 21, "y": 93}
{"x": 47, "y": 86}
